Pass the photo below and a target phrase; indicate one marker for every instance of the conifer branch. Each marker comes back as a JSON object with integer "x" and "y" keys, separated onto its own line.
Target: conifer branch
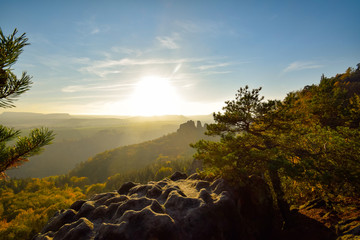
{"x": 26, "y": 147}
{"x": 10, "y": 89}
{"x": 13, "y": 88}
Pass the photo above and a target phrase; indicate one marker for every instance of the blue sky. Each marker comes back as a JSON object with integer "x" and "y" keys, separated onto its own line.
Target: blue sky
{"x": 175, "y": 57}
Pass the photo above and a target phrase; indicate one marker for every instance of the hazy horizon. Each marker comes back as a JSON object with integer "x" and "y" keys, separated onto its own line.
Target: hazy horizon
{"x": 100, "y": 115}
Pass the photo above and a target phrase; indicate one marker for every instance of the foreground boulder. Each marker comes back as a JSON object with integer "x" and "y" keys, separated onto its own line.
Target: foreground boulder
{"x": 178, "y": 207}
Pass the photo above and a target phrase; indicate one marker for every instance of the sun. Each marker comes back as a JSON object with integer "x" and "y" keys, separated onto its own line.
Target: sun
{"x": 154, "y": 96}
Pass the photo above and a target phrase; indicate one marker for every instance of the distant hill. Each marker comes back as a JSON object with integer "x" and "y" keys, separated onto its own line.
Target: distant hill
{"x": 55, "y": 120}
{"x": 64, "y": 120}
{"x": 30, "y": 115}
{"x": 137, "y": 156}
{"x": 27, "y": 119}
{"x": 203, "y": 118}
{"x": 80, "y": 137}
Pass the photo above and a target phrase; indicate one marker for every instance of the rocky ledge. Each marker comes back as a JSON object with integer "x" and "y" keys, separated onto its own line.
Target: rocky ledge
{"x": 178, "y": 207}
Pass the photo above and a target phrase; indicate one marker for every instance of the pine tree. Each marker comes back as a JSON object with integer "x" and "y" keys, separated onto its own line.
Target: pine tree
{"x": 245, "y": 147}
{"x": 11, "y": 87}
{"x": 284, "y": 142}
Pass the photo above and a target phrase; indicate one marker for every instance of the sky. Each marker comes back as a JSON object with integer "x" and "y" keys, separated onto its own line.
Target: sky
{"x": 175, "y": 57}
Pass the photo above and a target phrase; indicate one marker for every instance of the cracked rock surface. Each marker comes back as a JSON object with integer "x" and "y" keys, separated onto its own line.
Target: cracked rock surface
{"x": 178, "y": 207}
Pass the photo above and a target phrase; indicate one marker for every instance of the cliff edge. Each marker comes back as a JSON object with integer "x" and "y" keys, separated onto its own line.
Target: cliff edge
{"x": 178, "y": 207}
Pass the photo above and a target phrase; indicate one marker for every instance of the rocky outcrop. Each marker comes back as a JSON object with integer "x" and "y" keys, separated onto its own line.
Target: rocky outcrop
{"x": 189, "y": 126}
{"x": 178, "y": 207}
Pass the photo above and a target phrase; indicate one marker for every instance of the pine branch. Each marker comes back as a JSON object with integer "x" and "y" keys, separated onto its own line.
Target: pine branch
{"x": 10, "y": 89}
{"x": 11, "y": 48}
{"x": 7, "y": 134}
{"x": 26, "y": 147}
{"x": 13, "y": 88}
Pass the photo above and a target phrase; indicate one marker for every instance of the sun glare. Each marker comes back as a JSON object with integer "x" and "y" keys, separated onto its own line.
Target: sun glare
{"x": 154, "y": 96}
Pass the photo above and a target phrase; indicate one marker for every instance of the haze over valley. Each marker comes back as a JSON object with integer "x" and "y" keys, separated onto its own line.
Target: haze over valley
{"x": 81, "y": 137}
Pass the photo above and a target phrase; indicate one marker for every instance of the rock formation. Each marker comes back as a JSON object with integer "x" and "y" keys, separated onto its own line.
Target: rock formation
{"x": 198, "y": 124}
{"x": 178, "y": 207}
{"x": 189, "y": 126}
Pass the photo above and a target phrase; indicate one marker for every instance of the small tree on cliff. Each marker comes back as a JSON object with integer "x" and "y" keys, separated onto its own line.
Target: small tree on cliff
{"x": 246, "y": 145}
{"x": 10, "y": 88}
